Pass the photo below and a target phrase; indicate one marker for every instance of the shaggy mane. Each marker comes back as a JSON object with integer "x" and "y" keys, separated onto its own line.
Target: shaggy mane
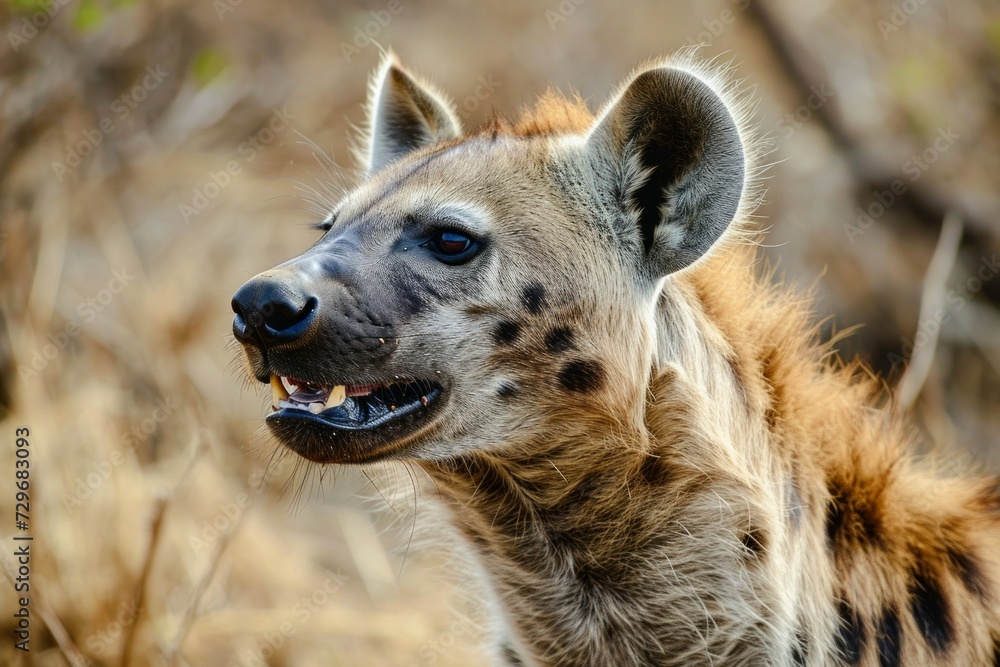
{"x": 552, "y": 114}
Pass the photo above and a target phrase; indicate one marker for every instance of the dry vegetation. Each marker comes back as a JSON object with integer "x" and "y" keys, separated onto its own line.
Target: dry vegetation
{"x": 114, "y": 311}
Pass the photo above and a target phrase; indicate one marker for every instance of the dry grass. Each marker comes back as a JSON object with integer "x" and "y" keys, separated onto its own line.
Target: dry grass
{"x": 128, "y": 568}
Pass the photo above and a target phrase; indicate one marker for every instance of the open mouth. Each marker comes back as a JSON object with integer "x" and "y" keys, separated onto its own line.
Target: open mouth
{"x": 349, "y": 407}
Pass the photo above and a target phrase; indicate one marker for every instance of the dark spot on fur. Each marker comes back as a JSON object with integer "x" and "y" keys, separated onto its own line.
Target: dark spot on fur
{"x": 506, "y": 390}
{"x": 991, "y": 498}
{"x": 566, "y": 521}
{"x": 480, "y": 541}
{"x": 510, "y": 656}
{"x": 775, "y": 391}
{"x": 853, "y": 515}
{"x": 800, "y": 649}
{"x": 410, "y": 301}
{"x": 533, "y": 298}
{"x": 506, "y": 332}
{"x": 490, "y": 482}
{"x": 572, "y": 503}
{"x": 834, "y": 518}
{"x": 771, "y": 417}
{"x": 654, "y": 471}
{"x": 737, "y": 370}
{"x": 969, "y": 570}
{"x": 851, "y": 635}
{"x": 888, "y": 639}
{"x": 996, "y": 653}
{"x": 930, "y": 611}
{"x": 753, "y": 542}
{"x": 559, "y": 339}
{"x": 581, "y": 376}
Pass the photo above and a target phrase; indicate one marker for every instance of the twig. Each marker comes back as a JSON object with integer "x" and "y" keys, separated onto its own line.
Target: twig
{"x": 200, "y": 447}
{"x": 930, "y": 303}
{"x": 147, "y": 568}
{"x": 174, "y": 652}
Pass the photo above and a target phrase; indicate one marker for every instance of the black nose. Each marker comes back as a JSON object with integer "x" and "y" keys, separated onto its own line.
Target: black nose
{"x": 272, "y": 310}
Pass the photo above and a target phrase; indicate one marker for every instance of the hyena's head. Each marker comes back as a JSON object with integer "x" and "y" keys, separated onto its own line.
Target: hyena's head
{"x": 477, "y": 290}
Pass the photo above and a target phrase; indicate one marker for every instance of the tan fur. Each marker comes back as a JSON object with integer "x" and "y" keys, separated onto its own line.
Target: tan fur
{"x": 710, "y": 485}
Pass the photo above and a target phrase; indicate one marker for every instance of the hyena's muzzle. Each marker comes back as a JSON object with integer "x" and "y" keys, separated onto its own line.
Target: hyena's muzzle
{"x": 326, "y": 340}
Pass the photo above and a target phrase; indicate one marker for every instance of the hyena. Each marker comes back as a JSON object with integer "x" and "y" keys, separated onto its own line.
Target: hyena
{"x": 640, "y": 441}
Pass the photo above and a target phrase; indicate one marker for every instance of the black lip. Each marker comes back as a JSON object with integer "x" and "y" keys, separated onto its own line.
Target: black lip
{"x": 339, "y": 436}
{"x": 361, "y": 415}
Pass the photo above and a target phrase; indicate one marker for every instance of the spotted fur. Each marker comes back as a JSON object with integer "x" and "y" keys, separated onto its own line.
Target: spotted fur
{"x": 646, "y": 454}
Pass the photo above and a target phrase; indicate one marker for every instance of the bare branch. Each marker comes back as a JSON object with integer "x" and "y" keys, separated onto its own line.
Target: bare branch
{"x": 930, "y": 303}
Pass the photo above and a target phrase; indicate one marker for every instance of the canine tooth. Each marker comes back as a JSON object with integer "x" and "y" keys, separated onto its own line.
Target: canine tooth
{"x": 278, "y": 392}
{"x": 316, "y": 408}
{"x": 337, "y": 396}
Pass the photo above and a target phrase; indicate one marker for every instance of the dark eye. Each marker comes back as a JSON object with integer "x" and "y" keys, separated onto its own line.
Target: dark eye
{"x": 451, "y": 247}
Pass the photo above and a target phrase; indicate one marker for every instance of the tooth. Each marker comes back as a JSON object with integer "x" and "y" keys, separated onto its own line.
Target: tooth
{"x": 316, "y": 408}
{"x": 337, "y": 396}
{"x": 278, "y": 392}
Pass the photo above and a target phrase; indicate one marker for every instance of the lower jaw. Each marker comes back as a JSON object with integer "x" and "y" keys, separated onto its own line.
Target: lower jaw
{"x": 336, "y": 435}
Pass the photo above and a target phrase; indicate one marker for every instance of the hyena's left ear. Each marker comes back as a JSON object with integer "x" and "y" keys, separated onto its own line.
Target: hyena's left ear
{"x": 404, "y": 115}
{"x": 670, "y": 152}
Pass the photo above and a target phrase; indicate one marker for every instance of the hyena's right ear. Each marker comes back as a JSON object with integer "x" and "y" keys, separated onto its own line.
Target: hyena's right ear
{"x": 404, "y": 114}
{"x": 669, "y": 151}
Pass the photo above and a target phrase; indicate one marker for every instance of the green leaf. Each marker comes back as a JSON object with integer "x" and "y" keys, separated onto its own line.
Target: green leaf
{"x": 909, "y": 76}
{"x": 993, "y": 34}
{"x": 89, "y": 16}
{"x": 208, "y": 65}
{"x": 30, "y": 6}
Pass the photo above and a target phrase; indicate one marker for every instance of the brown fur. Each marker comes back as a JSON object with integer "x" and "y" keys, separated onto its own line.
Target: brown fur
{"x": 877, "y": 532}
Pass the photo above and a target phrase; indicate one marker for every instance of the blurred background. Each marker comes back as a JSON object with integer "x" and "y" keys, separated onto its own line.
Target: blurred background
{"x": 154, "y": 155}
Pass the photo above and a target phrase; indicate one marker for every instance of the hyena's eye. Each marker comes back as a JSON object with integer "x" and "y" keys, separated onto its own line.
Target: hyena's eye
{"x": 452, "y": 247}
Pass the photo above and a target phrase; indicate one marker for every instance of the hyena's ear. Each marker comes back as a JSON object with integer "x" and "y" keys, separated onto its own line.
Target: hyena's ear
{"x": 670, "y": 152}
{"x": 404, "y": 114}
